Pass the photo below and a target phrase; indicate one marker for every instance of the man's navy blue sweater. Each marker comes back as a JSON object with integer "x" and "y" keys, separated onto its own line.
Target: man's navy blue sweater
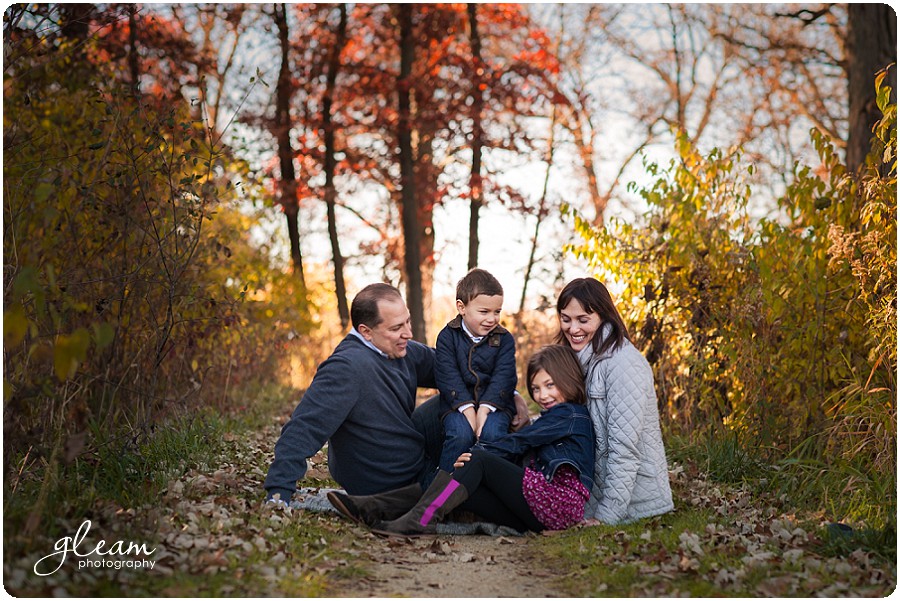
{"x": 360, "y": 402}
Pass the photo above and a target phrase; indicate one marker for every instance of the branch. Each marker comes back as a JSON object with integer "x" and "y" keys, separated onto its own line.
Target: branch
{"x": 806, "y": 15}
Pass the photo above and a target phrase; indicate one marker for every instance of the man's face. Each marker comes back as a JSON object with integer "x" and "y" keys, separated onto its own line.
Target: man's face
{"x": 394, "y": 332}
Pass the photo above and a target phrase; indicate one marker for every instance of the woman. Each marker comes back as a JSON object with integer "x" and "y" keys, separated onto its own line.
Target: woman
{"x": 631, "y": 478}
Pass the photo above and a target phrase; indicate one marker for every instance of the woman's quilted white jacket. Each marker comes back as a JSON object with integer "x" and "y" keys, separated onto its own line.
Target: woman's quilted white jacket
{"x": 631, "y": 478}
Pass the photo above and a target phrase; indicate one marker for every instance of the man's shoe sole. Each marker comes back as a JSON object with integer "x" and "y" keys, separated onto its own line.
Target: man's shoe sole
{"x": 336, "y": 502}
{"x": 389, "y": 534}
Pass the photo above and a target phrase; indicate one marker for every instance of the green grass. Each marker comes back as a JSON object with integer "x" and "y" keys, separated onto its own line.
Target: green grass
{"x": 129, "y": 470}
{"x": 854, "y": 491}
{"x": 839, "y": 541}
{"x": 623, "y": 561}
{"x": 299, "y": 562}
{"x": 725, "y": 537}
{"x": 724, "y": 457}
{"x": 651, "y": 559}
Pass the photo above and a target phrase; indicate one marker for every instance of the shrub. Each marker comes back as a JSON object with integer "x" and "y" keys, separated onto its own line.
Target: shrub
{"x": 782, "y": 331}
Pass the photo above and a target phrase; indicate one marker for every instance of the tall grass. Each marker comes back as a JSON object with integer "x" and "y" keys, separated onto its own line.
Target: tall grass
{"x": 128, "y": 468}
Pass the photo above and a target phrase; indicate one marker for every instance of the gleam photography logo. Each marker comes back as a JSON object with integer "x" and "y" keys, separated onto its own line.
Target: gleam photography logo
{"x": 100, "y": 556}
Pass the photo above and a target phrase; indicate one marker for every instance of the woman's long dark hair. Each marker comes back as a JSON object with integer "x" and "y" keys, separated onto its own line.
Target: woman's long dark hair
{"x": 594, "y": 298}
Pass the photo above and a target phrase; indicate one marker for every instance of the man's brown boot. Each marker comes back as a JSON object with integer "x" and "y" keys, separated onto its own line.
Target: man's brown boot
{"x": 444, "y": 495}
{"x": 370, "y": 509}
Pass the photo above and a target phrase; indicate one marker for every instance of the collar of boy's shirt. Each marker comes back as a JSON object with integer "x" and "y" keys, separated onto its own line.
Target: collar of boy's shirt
{"x": 475, "y": 339}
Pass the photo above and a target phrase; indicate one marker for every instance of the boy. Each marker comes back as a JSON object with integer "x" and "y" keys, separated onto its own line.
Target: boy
{"x": 475, "y": 368}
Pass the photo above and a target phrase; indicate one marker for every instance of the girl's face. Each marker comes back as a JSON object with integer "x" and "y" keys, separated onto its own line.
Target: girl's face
{"x": 577, "y": 325}
{"x": 544, "y": 391}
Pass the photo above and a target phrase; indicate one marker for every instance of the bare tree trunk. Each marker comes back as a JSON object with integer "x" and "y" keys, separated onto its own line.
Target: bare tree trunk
{"x": 288, "y": 182}
{"x": 330, "y": 165}
{"x": 872, "y": 37}
{"x": 541, "y": 213}
{"x": 426, "y": 198}
{"x": 475, "y": 184}
{"x": 133, "y": 58}
{"x": 409, "y": 208}
{"x": 585, "y": 142}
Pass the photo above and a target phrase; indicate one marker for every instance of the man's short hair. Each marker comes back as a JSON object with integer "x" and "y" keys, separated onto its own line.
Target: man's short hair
{"x": 477, "y": 281}
{"x": 364, "y": 308}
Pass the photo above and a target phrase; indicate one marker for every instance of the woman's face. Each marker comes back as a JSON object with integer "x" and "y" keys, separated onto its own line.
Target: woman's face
{"x": 577, "y": 325}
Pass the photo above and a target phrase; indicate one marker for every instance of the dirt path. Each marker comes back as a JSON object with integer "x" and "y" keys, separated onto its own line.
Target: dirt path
{"x": 450, "y": 566}
{"x": 435, "y": 566}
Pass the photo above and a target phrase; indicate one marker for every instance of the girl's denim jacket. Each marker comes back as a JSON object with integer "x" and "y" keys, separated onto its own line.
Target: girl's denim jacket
{"x": 562, "y": 435}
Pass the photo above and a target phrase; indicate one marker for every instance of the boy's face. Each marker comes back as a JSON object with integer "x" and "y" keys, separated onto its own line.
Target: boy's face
{"x": 482, "y": 314}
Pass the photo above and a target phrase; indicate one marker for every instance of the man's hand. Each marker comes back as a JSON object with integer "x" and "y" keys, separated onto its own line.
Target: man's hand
{"x": 276, "y": 501}
{"x": 522, "y": 417}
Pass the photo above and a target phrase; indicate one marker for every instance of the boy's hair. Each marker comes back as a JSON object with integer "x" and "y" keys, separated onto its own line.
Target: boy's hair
{"x": 561, "y": 364}
{"x": 364, "y": 308}
{"x": 477, "y": 281}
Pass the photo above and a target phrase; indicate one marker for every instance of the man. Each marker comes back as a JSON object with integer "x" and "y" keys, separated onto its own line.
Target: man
{"x": 362, "y": 400}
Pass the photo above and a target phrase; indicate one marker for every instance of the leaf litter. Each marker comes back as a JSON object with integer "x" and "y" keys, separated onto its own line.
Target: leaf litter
{"x": 214, "y": 536}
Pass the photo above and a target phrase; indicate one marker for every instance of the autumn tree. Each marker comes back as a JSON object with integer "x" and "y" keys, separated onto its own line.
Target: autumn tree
{"x": 118, "y": 295}
{"x": 282, "y": 126}
{"x": 817, "y": 62}
{"x": 871, "y": 46}
{"x": 365, "y": 114}
{"x": 346, "y": 129}
{"x": 330, "y": 162}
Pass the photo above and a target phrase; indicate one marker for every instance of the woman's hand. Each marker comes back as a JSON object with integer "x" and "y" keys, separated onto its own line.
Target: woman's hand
{"x": 462, "y": 459}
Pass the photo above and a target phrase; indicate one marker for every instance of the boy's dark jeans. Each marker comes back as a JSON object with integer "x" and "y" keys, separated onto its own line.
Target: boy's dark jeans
{"x": 459, "y": 436}
{"x": 458, "y": 439}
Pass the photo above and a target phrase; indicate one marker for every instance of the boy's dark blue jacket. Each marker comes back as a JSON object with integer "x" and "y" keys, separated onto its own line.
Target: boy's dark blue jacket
{"x": 562, "y": 435}
{"x": 482, "y": 373}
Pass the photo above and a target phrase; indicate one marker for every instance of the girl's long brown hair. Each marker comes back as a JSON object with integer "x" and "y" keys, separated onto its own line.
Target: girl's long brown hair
{"x": 561, "y": 364}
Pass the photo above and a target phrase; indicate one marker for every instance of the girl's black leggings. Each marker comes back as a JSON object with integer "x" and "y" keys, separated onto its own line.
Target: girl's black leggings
{"x": 495, "y": 491}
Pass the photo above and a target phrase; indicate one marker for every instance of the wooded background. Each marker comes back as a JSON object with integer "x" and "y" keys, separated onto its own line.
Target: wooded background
{"x": 731, "y": 168}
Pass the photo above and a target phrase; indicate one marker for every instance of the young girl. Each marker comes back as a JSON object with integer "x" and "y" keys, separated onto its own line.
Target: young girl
{"x": 557, "y": 451}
